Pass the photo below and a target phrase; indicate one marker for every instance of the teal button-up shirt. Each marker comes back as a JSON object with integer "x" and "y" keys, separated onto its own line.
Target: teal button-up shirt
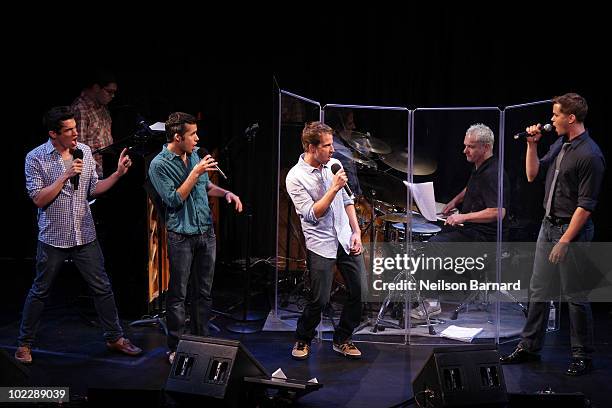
{"x": 167, "y": 172}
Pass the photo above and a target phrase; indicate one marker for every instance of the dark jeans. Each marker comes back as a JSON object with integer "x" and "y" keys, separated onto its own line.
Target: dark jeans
{"x": 545, "y": 275}
{"x": 90, "y": 263}
{"x": 352, "y": 269}
{"x": 192, "y": 262}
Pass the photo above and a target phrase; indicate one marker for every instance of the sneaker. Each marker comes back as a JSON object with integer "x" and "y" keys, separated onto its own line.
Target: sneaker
{"x": 301, "y": 350}
{"x": 348, "y": 349}
{"x": 171, "y": 355}
{"x": 418, "y": 312}
{"x": 123, "y": 345}
{"x": 23, "y": 354}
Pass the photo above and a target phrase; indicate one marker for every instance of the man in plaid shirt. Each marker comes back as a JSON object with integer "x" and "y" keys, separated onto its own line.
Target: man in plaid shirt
{"x": 60, "y": 183}
{"x": 92, "y": 116}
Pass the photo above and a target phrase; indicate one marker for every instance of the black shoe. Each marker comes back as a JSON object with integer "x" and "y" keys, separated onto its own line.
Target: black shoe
{"x": 579, "y": 366}
{"x": 518, "y": 356}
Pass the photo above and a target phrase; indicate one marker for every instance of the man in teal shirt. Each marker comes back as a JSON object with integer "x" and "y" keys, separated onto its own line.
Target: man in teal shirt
{"x": 180, "y": 178}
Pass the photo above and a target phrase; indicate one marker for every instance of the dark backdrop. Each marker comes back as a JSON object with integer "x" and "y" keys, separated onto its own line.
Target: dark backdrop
{"x": 225, "y": 68}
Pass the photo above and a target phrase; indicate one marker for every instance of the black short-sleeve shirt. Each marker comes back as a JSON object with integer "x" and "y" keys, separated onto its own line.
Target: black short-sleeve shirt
{"x": 481, "y": 193}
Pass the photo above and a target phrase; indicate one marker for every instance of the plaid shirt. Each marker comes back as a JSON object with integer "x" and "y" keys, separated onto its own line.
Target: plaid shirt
{"x": 65, "y": 222}
{"x": 94, "y": 126}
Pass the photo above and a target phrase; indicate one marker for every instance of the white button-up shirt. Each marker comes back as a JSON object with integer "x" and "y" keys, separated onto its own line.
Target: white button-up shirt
{"x": 306, "y": 185}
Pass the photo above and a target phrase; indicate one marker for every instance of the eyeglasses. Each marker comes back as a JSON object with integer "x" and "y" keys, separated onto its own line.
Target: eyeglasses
{"x": 110, "y": 91}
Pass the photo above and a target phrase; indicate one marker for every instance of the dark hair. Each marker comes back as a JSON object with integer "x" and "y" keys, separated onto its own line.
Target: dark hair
{"x": 52, "y": 120}
{"x": 176, "y": 124}
{"x": 311, "y": 135}
{"x": 337, "y": 118}
{"x": 100, "y": 77}
{"x": 572, "y": 104}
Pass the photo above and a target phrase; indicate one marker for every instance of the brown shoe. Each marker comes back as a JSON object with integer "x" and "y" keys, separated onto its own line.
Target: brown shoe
{"x": 124, "y": 346}
{"x": 24, "y": 354}
{"x": 301, "y": 350}
{"x": 347, "y": 349}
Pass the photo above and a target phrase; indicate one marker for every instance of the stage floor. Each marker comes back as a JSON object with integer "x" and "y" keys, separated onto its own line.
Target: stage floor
{"x": 70, "y": 352}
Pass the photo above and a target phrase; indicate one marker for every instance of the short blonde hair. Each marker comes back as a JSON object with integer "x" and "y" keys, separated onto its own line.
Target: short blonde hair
{"x": 311, "y": 135}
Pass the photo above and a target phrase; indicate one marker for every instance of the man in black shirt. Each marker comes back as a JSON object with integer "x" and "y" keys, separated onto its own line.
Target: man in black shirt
{"x": 477, "y": 220}
{"x": 574, "y": 168}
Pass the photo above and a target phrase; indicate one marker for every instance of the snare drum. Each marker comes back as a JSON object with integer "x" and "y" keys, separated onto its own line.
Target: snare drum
{"x": 420, "y": 231}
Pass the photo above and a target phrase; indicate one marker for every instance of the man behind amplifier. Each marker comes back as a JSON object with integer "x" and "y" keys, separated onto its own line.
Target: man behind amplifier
{"x": 181, "y": 179}
{"x": 332, "y": 235}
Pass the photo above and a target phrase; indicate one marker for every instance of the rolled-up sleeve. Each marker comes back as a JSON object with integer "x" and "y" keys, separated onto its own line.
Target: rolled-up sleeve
{"x": 591, "y": 172}
{"x": 93, "y": 175}
{"x": 33, "y": 176}
{"x": 346, "y": 200}
{"x": 302, "y": 201}
{"x": 164, "y": 186}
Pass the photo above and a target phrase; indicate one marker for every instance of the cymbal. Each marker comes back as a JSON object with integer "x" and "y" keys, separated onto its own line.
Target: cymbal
{"x": 365, "y": 144}
{"x": 382, "y": 187}
{"x": 356, "y": 157}
{"x": 404, "y": 218}
{"x": 377, "y": 145}
{"x": 421, "y": 166}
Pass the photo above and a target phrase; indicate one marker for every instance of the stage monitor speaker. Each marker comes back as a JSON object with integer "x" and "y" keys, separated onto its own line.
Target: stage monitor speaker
{"x": 12, "y": 372}
{"x": 461, "y": 376}
{"x": 214, "y": 368}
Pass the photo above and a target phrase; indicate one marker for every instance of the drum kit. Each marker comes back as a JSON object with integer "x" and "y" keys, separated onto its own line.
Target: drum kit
{"x": 382, "y": 209}
{"x": 383, "y": 204}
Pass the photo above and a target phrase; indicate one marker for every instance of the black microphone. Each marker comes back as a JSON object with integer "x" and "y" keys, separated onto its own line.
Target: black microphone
{"x": 76, "y": 154}
{"x": 202, "y": 152}
{"x": 547, "y": 128}
{"x": 335, "y": 168}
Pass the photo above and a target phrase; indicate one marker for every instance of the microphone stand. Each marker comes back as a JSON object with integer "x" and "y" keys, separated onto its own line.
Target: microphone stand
{"x": 245, "y": 324}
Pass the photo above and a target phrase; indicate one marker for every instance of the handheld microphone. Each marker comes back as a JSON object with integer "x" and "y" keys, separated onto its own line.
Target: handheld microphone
{"x": 335, "y": 168}
{"x": 547, "y": 128}
{"x": 202, "y": 152}
{"x": 76, "y": 154}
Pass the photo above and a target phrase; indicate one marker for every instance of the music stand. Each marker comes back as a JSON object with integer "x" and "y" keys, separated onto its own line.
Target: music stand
{"x": 245, "y": 323}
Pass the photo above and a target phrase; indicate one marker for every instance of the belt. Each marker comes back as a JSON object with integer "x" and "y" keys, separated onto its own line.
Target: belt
{"x": 558, "y": 220}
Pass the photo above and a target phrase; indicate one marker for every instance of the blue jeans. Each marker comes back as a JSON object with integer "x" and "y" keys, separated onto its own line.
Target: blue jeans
{"x": 321, "y": 269}
{"x": 192, "y": 262}
{"x": 545, "y": 275}
{"x": 89, "y": 260}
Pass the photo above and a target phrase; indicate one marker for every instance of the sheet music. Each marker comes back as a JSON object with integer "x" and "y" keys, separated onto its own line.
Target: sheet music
{"x": 423, "y": 194}
{"x": 465, "y": 334}
{"x": 158, "y": 126}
